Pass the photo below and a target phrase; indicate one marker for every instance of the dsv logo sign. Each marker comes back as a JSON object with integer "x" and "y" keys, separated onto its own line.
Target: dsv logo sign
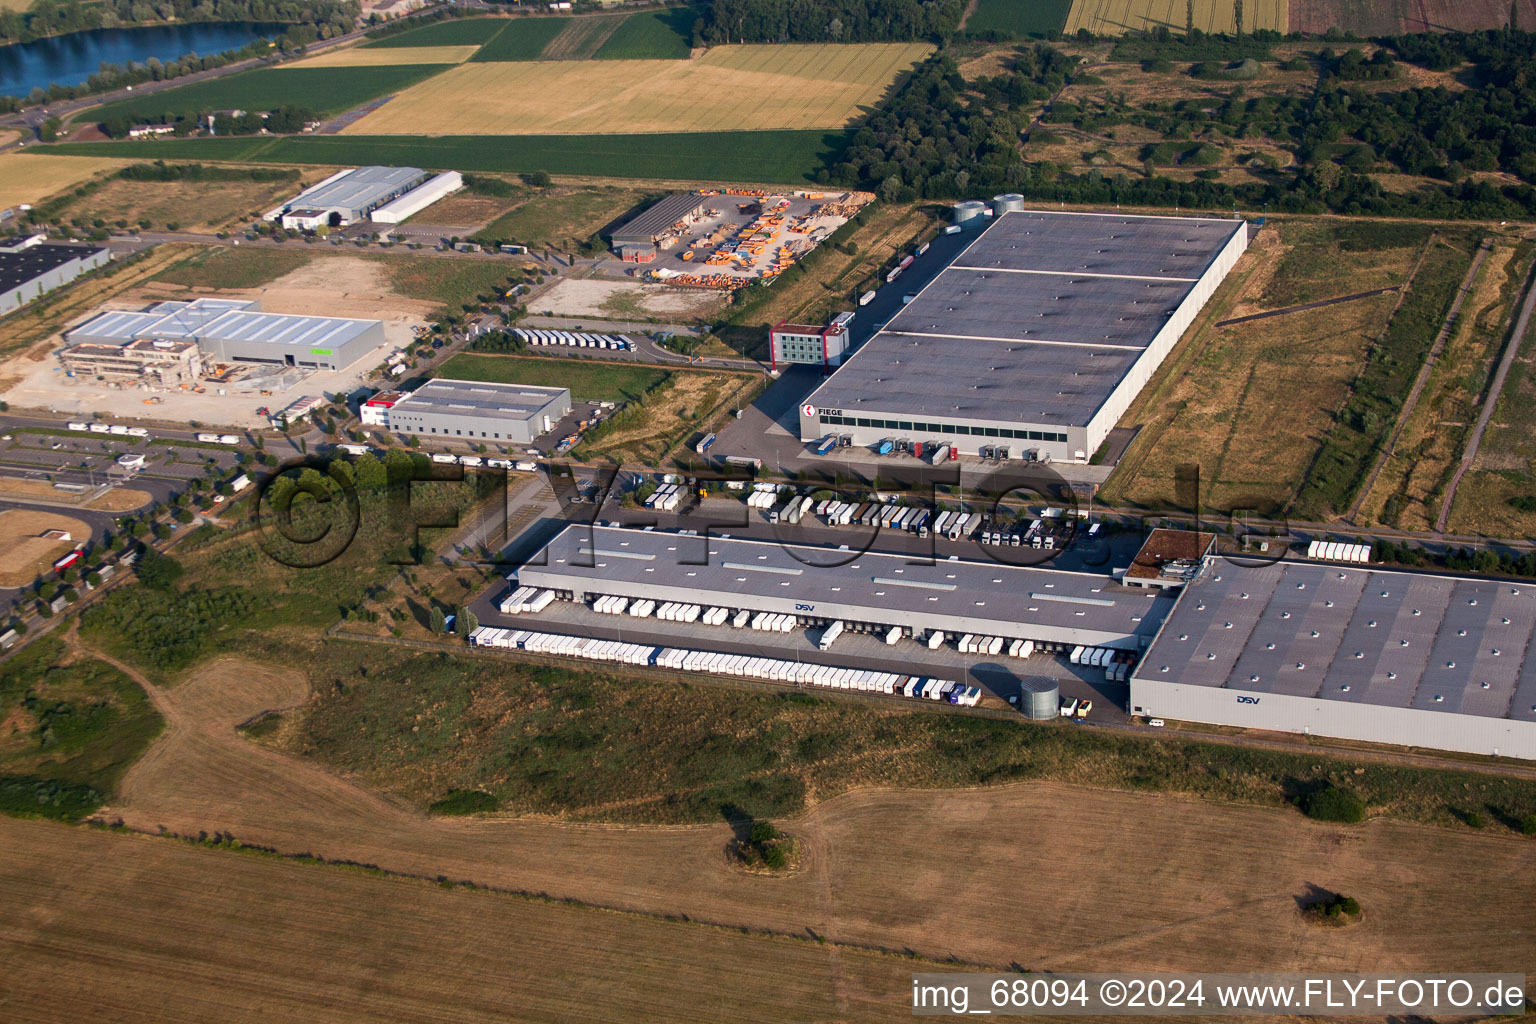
{"x": 1248, "y": 700}
{"x": 805, "y": 607}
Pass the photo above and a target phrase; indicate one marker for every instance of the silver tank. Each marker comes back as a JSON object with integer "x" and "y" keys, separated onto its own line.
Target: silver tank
{"x": 1008, "y": 202}
{"x": 970, "y": 213}
{"x": 1041, "y": 698}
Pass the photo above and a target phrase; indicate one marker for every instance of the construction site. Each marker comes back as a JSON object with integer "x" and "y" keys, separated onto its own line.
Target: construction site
{"x": 728, "y": 238}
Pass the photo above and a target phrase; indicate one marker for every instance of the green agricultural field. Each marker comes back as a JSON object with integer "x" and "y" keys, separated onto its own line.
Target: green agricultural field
{"x": 235, "y": 268}
{"x": 523, "y": 39}
{"x": 1019, "y": 18}
{"x": 786, "y": 157}
{"x": 591, "y": 381}
{"x": 325, "y": 90}
{"x": 655, "y": 35}
{"x": 457, "y": 32}
{"x": 73, "y": 725}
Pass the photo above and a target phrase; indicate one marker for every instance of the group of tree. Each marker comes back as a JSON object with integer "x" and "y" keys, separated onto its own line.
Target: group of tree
{"x": 50, "y": 18}
{"x": 939, "y": 137}
{"x": 285, "y": 120}
{"x": 823, "y": 21}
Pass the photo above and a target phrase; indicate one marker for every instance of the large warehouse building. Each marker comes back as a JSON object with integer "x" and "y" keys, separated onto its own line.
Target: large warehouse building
{"x": 229, "y": 331}
{"x": 1391, "y": 657}
{"x": 481, "y": 410}
{"x": 346, "y": 197}
{"x": 870, "y": 590}
{"x": 1037, "y": 336}
{"x": 30, "y": 267}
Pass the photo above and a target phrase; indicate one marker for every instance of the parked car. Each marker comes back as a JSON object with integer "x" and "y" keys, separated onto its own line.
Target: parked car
{"x": 1156, "y": 723}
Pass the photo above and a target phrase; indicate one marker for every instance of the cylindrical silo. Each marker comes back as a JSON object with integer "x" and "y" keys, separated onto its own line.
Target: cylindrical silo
{"x": 1008, "y": 202}
{"x": 970, "y": 212}
{"x": 1040, "y": 698}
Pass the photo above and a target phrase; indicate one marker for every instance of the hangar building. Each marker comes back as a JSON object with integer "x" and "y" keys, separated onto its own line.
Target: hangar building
{"x": 1390, "y": 657}
{"x": 29, "y": 267}
{"x": 1035, "y": 338}
{"x": 658, "y": 227}
{"x": 346, "y": 197}
{"x": 477, "y": 409}
{"x": 233, "y": 331}
{"x": 869, "y": 589}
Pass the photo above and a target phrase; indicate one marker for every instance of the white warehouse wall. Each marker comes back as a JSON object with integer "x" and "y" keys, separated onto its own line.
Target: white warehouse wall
{"x": 418, "y": 199}
{"x": 1152, "y": 357}
{"x": 1375, "y": 723}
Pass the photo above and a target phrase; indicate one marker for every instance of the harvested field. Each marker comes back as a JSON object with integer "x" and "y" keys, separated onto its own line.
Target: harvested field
{"x": 28, "y": 553}
{"x": 175, "y": 932}
{"x": 31, "y": 177}
{"x": 1368, "y": 18}
{"x": 1115, "y": 17}
{"x": 1220, "y": 400}
{"x": 581, "y": 38}
{"x": 793, "y": 86}
{"x": 362, "y": 56}
{"x": 1178, "y": 911}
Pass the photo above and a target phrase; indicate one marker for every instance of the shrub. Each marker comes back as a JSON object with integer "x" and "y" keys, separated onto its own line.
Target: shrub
{"x": 1528, "y": 825}
{"x": 1334, "y": 803}
{"x": 763, "y": 832}
{"x": 775, "y": 858}
{"x": 465, "y": 801}
{"x": 1475, "y": 819}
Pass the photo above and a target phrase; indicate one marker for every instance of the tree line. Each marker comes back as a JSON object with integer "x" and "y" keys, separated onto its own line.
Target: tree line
{"x": 828, "y": 21}
{"x": 49, "y": 18}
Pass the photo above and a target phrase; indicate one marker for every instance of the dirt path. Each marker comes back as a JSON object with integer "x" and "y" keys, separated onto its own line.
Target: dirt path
{"x": 1039, "y": 874}
{"x": 1305, "y": 306}
{"x": 1511, "y": 348}
{"x": 1447, "y": 328}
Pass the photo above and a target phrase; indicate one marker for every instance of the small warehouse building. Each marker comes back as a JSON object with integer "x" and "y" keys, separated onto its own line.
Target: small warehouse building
{"x": 31, "y": 267}
{"x": 479, "y": 410}
{"x": 802, "y": 343}
{"x": 659, "y": 227}
{"x": 1406, "y": 658}
{"x": 1035, "y": 338}
{"x": 345, "y": 197}
{"x": 871, "y": 592}
{"x": 234, "y": 331}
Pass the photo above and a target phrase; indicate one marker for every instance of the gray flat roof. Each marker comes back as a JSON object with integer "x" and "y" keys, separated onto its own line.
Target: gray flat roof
{"x": 1015, "y": 598}
{"x": 481, "y": 399}
{"x": 1362, "y": 636}
{"x": 659, "y": 218}
{"x": 1036, "y": 321}
{"x": 224, "y": 320}
{"x": 356, "y": 189}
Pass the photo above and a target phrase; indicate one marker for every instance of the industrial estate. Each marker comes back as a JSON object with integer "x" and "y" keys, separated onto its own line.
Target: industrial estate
{"x": 492, "y": 488}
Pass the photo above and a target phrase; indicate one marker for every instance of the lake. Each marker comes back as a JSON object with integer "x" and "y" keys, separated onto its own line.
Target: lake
{"x": 71, "y": 59}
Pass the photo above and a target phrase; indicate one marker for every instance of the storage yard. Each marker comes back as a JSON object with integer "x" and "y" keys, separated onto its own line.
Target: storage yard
{"x": 1032, "y": 343}
{"x": 728, "y": 238}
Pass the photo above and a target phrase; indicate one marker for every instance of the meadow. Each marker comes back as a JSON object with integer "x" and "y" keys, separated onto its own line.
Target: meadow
{"x": 453, "y": 32}
{"x": 325, "y": 90}
{"x": 793, "y": 86}
{"x": 220, "y": 268}
{"x": 564, "y": 216}
{"x": 786, "y": 157}
{"x": 654, "y": 35}
{"x": 589, "y": 380}
{"x": 1114, "y": 17}
{"x": 523, "y": 39}
{"x": 1019, "y": 18}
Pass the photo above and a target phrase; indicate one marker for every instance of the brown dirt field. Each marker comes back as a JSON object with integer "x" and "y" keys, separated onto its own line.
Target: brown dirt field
{"x": 1392, "y": 17}
{"x": 338, "y": 285}
{"x": 177, "y": 933}
{"x": 118, "y": 499}
{"x": 465, "y": 209}
{"x": 697, "y": 393}
{"x": 26, "y": 553}
{"x": 1219, "y": 893}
